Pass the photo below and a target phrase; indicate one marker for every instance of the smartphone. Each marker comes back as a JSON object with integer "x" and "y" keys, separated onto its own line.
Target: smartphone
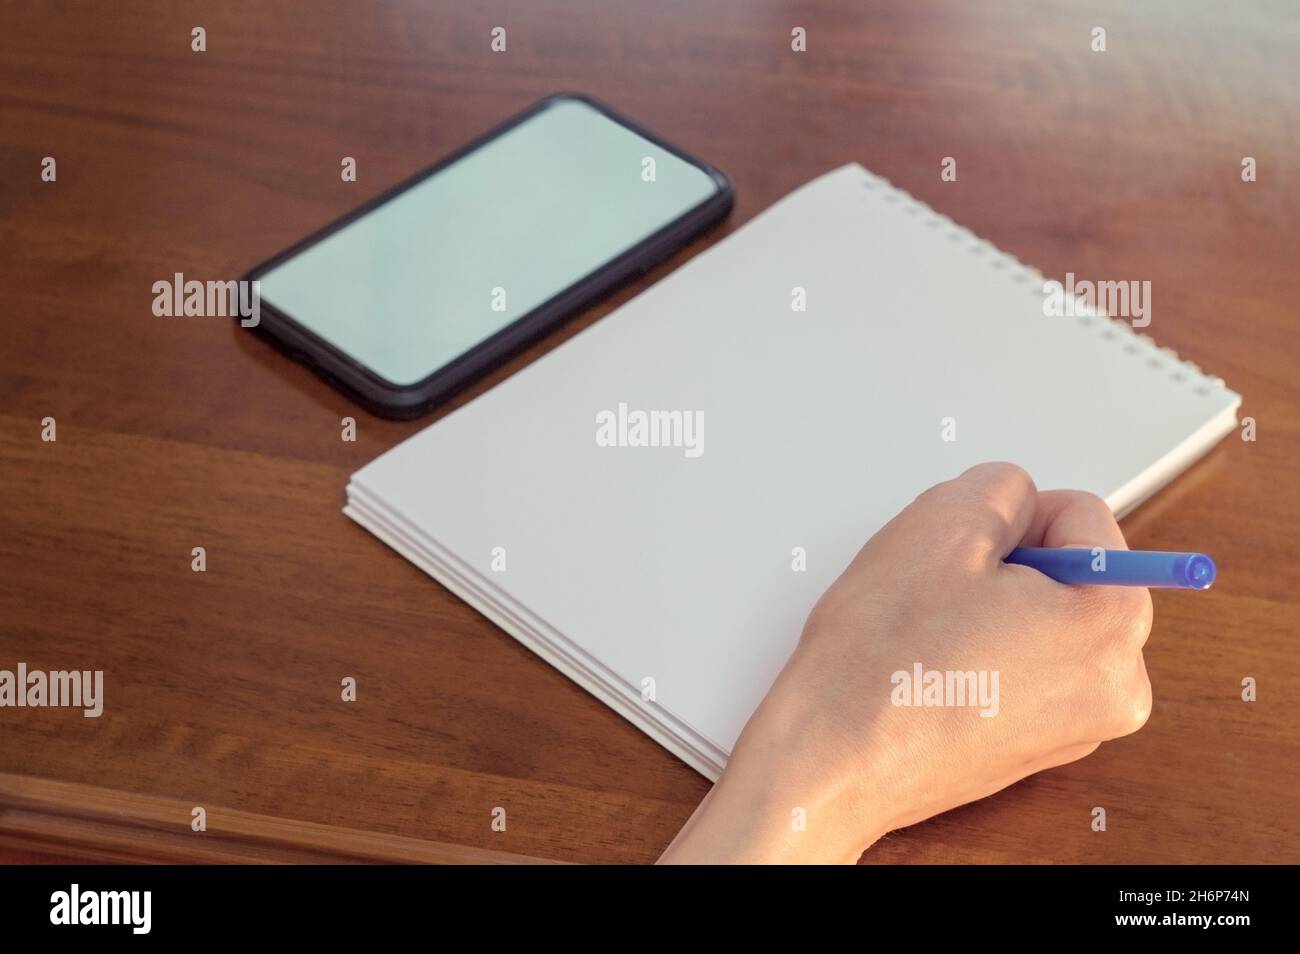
{"x": 407, "y": 299}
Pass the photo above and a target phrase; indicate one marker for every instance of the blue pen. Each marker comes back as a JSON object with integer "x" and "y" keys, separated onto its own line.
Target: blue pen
{"x": 1099, "y": 567}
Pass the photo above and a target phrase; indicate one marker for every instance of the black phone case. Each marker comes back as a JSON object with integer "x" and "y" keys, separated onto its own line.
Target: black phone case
{"x": 407, "y": 401}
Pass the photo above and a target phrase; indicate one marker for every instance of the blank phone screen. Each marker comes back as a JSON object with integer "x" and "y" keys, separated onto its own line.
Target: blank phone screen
{"x": 425, "y": 276}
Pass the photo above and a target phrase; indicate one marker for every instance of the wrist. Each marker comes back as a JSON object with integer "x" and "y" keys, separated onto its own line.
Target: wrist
{"x": 780, "y": 818}
{"x": 783, "y": 799}
{"x": 749, "y": 820}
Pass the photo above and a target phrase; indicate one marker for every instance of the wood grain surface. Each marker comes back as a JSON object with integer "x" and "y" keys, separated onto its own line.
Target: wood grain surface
{"x": 222, "y": 688}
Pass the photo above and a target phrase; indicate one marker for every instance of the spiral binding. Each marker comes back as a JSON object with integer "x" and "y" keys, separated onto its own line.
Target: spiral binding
{"x": 1109, "y": 327}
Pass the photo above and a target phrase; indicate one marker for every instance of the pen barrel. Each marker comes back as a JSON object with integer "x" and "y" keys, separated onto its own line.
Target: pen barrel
{"x": 1100, "y": 567}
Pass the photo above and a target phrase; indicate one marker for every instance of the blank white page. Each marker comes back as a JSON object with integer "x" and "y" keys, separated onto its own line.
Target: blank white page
{"x": 819, "y": 425}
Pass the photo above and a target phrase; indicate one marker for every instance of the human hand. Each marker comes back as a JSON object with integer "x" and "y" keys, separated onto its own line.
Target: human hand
{"x": 1061, "y": 669}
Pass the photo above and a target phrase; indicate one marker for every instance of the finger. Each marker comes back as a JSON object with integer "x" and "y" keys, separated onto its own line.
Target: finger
{"x": 997, "y": 500}
{"x": 1073, "y": 518}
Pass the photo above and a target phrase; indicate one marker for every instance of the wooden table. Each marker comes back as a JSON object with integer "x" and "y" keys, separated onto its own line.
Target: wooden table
{"x": 222, "y": 688}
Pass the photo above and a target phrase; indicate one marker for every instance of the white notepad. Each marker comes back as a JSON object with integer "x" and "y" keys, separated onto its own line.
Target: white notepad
{"x": 633, "y": 563}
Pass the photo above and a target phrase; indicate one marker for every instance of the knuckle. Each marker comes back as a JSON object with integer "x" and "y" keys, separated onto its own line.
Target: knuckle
{"x": 976, "y": 502}
{"x": 1016, "y": 478}
{"x": 1001, "y": 472}
{"x": 997, "y": 482}
{"x": 981, "y": 482}
{"x": 1097, "y": 506}
{"x": 1119, "y": 616}
{"x": 1136, "y": 708}
{"x": 1128, "y": 700}
{"x": 947, "y": 515}
{"x": 1132, "y": 614}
